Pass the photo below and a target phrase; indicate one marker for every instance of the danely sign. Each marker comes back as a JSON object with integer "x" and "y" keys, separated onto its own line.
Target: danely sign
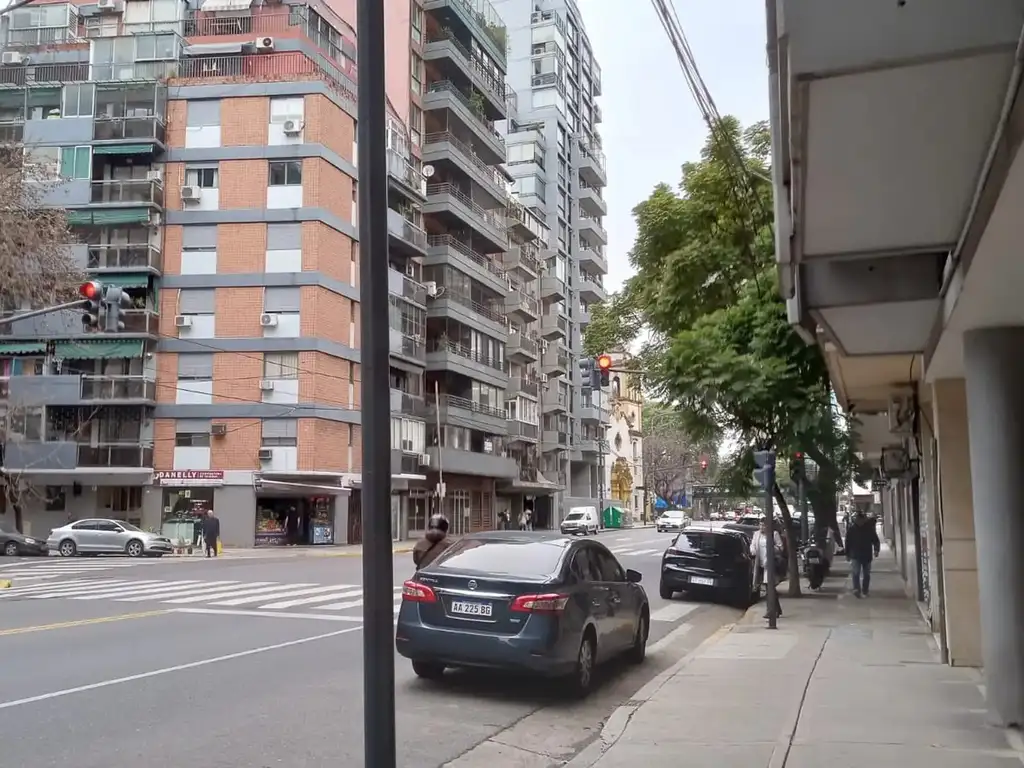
{"x": 190, "y": 477}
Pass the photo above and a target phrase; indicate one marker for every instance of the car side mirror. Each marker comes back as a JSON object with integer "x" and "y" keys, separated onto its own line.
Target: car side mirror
{"x": 633, "y": 577}
{"x": 118, "y": 529}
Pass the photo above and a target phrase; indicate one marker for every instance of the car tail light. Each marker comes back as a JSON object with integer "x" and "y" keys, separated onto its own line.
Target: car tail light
{"x": 540, "y": 603}
{"x": 415, "y": 592}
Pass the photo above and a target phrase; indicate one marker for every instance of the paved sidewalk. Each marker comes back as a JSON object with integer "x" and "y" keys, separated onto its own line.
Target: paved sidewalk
{"x": 326, "y": 550}
{"x": 843, "y": 683}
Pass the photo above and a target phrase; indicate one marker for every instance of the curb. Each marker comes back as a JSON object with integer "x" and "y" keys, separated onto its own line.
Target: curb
{"x": 615, "y": 726}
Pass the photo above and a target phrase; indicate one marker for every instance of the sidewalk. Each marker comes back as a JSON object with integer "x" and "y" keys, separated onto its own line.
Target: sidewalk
{"x": 843, "y": 683}
{"x": 326, "y": 550}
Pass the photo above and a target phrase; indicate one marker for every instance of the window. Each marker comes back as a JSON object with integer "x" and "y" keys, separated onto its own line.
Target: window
{"x": 416, "y": 22}
{"x": 609, "y": 568}
{"x": 527, "y": 559}
{"x": 204, "y": 112}
{"x": 281, "y": 365}
{"x": 416, "y": 72}
{"x": 156, "y": 47}
{"x": 78, "y": 100}
{"x": 76, "y": 162}
{"x": 192, "y": 439}
{"x": 285, "y": 109}
{"x": 286, "y": 173}
{"x": 582, "y": 567}
{"x": 197, "y": 301}
{"x": 27, "y": 423}
{"x": 280, "y": 433}
{"x": 206, "y": 178}
{"x": 278, "y": 300}
{"x": 193, "y": 366}
{"x": 415, "y": 125}
{"x": 408, "y": 435}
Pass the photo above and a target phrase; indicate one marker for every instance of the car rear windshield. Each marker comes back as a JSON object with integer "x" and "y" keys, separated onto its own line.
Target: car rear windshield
{"x": 708, "y": 543}
{"x": 505, "y": 558}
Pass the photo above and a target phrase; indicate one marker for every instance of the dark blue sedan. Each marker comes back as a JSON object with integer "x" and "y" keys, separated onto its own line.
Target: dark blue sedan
{"x": 541, "y": 603}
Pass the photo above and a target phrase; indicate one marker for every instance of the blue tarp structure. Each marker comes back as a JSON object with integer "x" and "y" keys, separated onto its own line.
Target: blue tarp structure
{"x": 677, "y": 501}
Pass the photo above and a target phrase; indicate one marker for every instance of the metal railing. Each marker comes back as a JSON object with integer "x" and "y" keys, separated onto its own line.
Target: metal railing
{"x": 448, "y": 241}
{"x": 410, "y": 289}
{"x": 522, "y": 429}
{"x": 519, "y": 341}
{"x": 410, "y": 346}
{"x": 151, "y": 128}
{"x": 401, "y": 169}
{"x": 115, "y": 455}
{"x": 141, "y": 256}
{"x": 447, "y": 86}
{"x": 128, "y": 192}
{"x": 461, "y": 350}
{"x": 590, "y": 152}
{"x": 118, "y": 388}
{"x": 467, "y": 151}
{"x": 526, "y": 386}
{"x": 464, "y": 200}
{"x": 409, "y": 405}
{"x": 492, "y": 85}
{"x": 465, "y": 404}
{"x": 36, "y": 36}
{"x": 481, "y": 309}
{"x": 521, "y": 300}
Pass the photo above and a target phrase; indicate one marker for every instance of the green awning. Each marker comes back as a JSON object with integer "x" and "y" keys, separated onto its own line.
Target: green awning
{"x": 79, "y": 218}
{"x": 21, "y": 348}
{"x": 99, "y": 217}
{"x": 123, "y": 149}
{"x": 134, "y": 280}
{"x": 98, "y": 350}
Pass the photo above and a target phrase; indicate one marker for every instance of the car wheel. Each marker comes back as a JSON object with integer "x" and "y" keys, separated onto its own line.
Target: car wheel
{"x": 67, "y": 548}
{"x": 11, "y": 549}
{"x": 134, "y": 548}
{"x": 428, "y": 670}
{"x": 665, "y": 591}
{"x": 638, "y": 651}
{"x": 583, "y": 676}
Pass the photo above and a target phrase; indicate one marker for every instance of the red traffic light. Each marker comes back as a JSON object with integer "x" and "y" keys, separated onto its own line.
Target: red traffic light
{"x": 703, "y": 463}
{"x": 90, "y": 290}
{"x": 798, "y": 455}
{"x": 604, "y": 362}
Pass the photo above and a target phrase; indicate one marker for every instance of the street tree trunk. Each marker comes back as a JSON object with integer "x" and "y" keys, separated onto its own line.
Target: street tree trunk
{"x": 793, "y": 564}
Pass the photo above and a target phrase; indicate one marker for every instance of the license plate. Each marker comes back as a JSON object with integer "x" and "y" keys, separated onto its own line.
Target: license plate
{"x": 813, "y": 559}
{"x": 701, "y": 581}
{"x": 472, "y": 609}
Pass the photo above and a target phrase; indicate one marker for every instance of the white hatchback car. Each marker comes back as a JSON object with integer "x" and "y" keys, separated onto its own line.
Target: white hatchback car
{"x": 106, "y": 537}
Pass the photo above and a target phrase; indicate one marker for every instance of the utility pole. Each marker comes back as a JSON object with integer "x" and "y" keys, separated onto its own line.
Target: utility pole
{"x": 764, "y": 475}
{"x": 378, "y": 608}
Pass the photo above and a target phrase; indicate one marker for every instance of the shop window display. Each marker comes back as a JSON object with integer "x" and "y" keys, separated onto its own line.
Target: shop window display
{"x": 291, "y": 521}
{"x": 183, "y": 511}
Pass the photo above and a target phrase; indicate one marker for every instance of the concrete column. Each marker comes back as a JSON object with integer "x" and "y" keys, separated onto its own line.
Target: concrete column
{"x": 995, "y": 398}
{"x": 959, "y": 555}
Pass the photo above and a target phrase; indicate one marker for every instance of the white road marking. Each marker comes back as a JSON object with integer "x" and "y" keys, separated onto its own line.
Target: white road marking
{"x": 313, "y": 600}
{"x": 670, "y": 638}
{"x": 28, "y": 589}
{"x": 673, "y": 611}
{"x": 165, "y": 592}
{"x": 341, "y": 606}
{"x": 266, "y": 614}
{"x": 259, "y": 598}
{"x": 171, "y": 670}
{"x": 624, "y": 538}
{"x": 123, "y": 591}
{"x": 267, "y": 590}
{"x": 56, "y": 592}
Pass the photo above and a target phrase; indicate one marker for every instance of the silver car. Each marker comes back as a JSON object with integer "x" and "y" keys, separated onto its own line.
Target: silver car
{"x": 106, "y": 537}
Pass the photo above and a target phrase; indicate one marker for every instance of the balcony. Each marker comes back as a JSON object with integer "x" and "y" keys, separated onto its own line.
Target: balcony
{"x": 12, "y": 131}
{"x": 132, "y": 71}
{"x": 591, "y": 259}
{"x": 589, "y": 412}
{"x": 408, "y": 405}
{"x": 407, "y": 347}
{"x": 520, "y": 431}
{"x": 591, "y": 228}
{"x": 469, "y": 312}
{"x": 125, "y": 258}
{"x": 552, "y": 287}
{"x": 407, "y": 288}
{"x": 71, "y": 390}
{"x": 554, "y": 326}
{"x": 591, "y": 201}
{"x": 590, "y": 290}
{"x": 521, "y": 348}
{"x": 595, "y": 78}
{"x": 521, "y": 306}
{"x": 108, "y": 462}
{"x": 554, "y": 440}
{"x": 143, "y": 130}
{"x": 555, "y": 402}
{"x": 555, "y": 362}
{"x": 463, "y": 412}
{"x": 406, "y": 178}
{"x": 36, "y": 37}
{"x": 405, "y": 235}
{"x": 444, "y": 94}
{"x": 449, "y": 199}
{"x": 128, "y": 193}
{"x": 477, "y": 18}
{"x": 598, "y": 114}
{"x": 446, "y": 249}
{"x": 443, "y": 47}
{"x": 583, "y": 317}
{"x": 445, "y": 355}
{"x": 137, "y": 322}
{"x": 472, "y": 463}
{"x": 523, "y": 225}
{"x": 592, "y": 164}
{"x": 127, "y": 389}
{"x": 522, "y": 386}
{"x": 588, "y": 444}
{"x": 445, "y": 146}
{"x": 523, "y": 258}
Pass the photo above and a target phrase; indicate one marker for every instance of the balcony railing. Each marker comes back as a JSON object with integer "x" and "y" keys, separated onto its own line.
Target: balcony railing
{"x": 128, "y": 192}
{"x": 129, "y": 128}
{"x": 481, "y": 309}
{"x": 12, "y": 131}
{"x": 465, "y": 404}
{"x": 139, "y": 322}
{"x": 593, "y": 153}
{"x": 402, "y": 169}
{"x": 526, "y": 386}
{"x": 525, "y": 343}
{"x": 406, "y": 404}
{"x": 401, "y": 227}
{"x": 463, "y": 199}
{"x": 124, "y": 257}
{"x": 518, "y": 428}
{"x": 406, "y": 287}
{"x": 116, "y": 72}
{"x": 447, "y": 241}
{"x": 461, "y": 350}
{"x": 447, "y": 86}
{"x": 467, "y": 152}
{"x": 494, "y": 86}
{"x": 118, "y": 388}
{"x": 408, "y": 346}
{"x": 115, "y": 455}
{"x": 519, "y": 300}
{"x": 32, "y": 37}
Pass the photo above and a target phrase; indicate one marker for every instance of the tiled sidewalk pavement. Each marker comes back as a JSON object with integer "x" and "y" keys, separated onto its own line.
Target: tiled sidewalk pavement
{"x": 843, "y": 683}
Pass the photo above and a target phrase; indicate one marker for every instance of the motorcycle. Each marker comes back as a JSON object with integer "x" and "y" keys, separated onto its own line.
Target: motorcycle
{"x": 815, "y": 565}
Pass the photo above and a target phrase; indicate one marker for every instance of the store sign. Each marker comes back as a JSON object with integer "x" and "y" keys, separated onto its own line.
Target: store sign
{"x": 181, "y": 477}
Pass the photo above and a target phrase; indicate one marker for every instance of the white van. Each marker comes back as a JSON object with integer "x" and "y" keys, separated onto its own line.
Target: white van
{"x": 581, "y": 520}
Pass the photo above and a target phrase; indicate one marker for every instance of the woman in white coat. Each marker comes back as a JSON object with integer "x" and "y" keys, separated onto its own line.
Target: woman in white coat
{"x": 759, "y": 551}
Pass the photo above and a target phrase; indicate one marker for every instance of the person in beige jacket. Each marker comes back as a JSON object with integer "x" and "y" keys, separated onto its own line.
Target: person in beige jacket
{"x": 434, "y": 542}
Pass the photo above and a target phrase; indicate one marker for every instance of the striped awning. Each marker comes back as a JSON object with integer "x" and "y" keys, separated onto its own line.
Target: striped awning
{"x": 22, "y": 348}
{"x": 99, "y": 350}
{"x": 123, "y": 149}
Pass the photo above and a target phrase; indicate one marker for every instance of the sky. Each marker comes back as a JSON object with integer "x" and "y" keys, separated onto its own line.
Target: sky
{"x": 651, "y": 124}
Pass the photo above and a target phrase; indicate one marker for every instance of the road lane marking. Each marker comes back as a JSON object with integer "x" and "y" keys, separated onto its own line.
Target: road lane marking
{"x": 291, "y": 593}
{"x": 171, "y": 670}
{"x": 670, "y": 638}
{"x": 673, "y": 611}
{"x": 266, "y": 614}
{"x": 27, "y": 589}
{"x": 271, "y": 591}
{"x": 209, "y": 592}
{"x": 79, "y": 623}
{"x": 334, "y": 594}
{"x": 64, "y": 593}
{"x": 138, "y": 587}
{"x": 162, "y": 592}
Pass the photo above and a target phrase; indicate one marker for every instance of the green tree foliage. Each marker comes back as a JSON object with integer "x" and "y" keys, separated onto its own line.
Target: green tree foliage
{"x": 713, "y": 336}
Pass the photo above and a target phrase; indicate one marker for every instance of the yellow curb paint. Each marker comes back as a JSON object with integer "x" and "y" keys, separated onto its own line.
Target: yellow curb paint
{"x": 80, "y": 623}
{"x": 5, "y": 583}
{"x": 398, "y": 551}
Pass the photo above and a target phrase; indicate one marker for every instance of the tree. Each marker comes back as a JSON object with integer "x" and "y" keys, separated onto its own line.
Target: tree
{"x": 718, "y": 345}
{"x": 671, "y": 457}
{"x": 37, "y": 269}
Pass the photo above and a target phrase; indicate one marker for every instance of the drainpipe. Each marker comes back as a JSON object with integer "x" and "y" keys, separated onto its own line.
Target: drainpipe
{"x": 1016, "y": 75}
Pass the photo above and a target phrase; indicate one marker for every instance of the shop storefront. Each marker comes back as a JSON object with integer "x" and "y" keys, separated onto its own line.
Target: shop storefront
{"x": 291, "y": 520}
{"x": 187, "y": 496}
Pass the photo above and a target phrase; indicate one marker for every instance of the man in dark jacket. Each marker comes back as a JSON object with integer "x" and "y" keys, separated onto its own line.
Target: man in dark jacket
{"x": 211, "y": 532}
{"x": 434, "y": 542}
{"x": 862, "y": 546}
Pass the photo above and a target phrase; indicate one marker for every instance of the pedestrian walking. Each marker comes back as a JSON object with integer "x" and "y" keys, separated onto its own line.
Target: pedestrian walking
{"x": 434, "y": 542}
{"x": 862, "y": 547}
{"x": 759, "y": 550}
{"x": 211, "y": 533}
{"x": 524, "y": 520}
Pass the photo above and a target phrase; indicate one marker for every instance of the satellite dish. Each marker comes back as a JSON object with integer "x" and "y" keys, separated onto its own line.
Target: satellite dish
{"x": 428, "y": 171}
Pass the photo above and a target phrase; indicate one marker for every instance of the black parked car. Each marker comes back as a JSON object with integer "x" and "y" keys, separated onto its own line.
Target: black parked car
{"x": 536, "y": 602}
{"x": 710, "y": 562}
{"x": 13, "y": 544}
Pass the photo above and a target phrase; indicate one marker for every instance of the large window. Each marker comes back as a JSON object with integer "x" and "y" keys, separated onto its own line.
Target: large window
{"x": 78, "y": 100}
{"x": 204, "y": 177}
{"x": 281, "y": 365}
{"x": 286, "y": 173}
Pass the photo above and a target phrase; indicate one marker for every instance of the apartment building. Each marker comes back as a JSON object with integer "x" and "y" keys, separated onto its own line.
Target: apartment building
{"x": 558, "y": 169}
{"x": 206, "y": 157}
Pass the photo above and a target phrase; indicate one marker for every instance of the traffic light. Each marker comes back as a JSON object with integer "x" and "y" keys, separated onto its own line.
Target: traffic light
{"x": 764, "y": 475}
{"x": 92, "y": 293}
{"x": 703, "y": 465}
{"x": 586, "y": 374}
{"x": 796, "y": 467}
{"x": 604, "y": 366}
{"x": 115, "y": 301}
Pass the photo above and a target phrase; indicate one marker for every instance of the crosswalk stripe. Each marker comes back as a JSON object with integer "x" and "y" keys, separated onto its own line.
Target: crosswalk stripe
{"x": 291, "y": 593}
{"x": 673, "y": 611}
{"x": 207, "y": 586}
{"x": 61, "y": 592}
{"x": 341, "y": 606}
{"x": 29, "y": 589}
{"x": 334, "y": 592}
{"x": 271, "y": 588}
{"x": 136, "y": 587}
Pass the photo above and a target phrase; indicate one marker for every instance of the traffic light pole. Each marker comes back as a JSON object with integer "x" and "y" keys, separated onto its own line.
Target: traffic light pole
{"x": 76, "y": 304}
{"x": 378, "y": 573}
{"x": 805, "y": 525}
{"x": 772, "y": 591}
{"x": 600, "y": 461}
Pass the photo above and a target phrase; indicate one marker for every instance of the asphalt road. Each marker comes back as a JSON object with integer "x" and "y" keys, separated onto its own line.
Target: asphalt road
{"x": 258, "y": 663}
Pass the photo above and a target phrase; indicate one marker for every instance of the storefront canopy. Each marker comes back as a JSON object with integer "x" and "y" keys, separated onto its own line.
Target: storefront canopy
{"x": 98, "y": 350}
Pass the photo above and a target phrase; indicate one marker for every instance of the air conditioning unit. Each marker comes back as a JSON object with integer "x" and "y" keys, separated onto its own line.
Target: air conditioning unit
{"x": 106, "y": 5}
{"x": 901, "y": 414}
{"x": 268, "y": 320}
{"x": 218, "y": 430}
{"x": 424, "y": 459}
{"x": 266, "y": 454}
{"x": 293, "y": 127}
{"x": 13, "y": 57}
{"x": 266, "y": 385}
{"x": 264, "y": 44}
{"x": 154, "y": 175}
{"x": 190, "y": 194}
{"x": 183, "y": 321}
{"x": 431, "y": 287}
